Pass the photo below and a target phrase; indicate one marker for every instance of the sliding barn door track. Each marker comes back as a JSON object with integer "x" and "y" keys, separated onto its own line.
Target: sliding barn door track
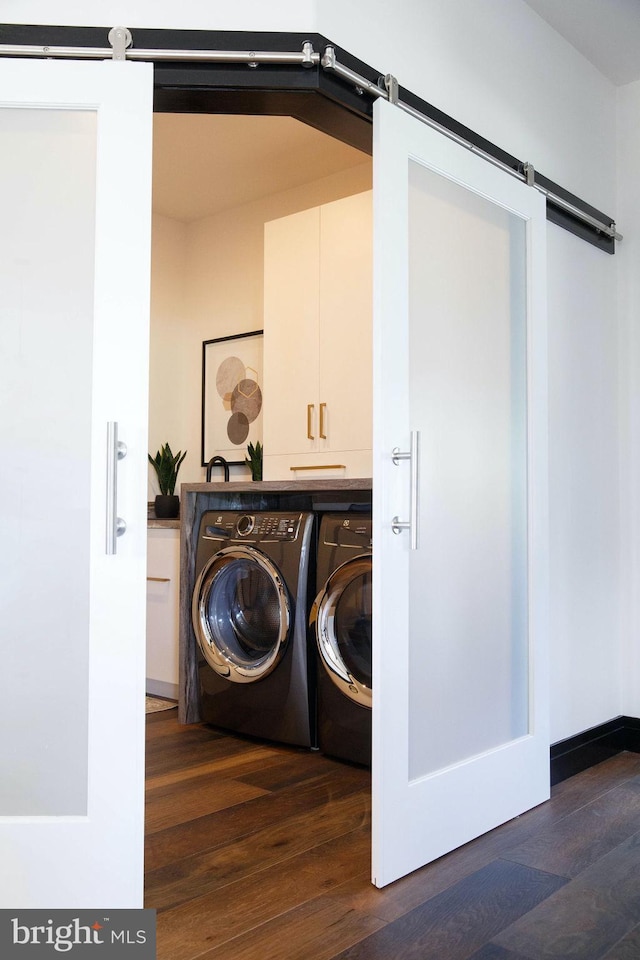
{"x": 284, "y": 74}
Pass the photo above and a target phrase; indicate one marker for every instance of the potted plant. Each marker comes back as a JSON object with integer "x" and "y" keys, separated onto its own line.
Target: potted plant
{"x": 166, "y": 465}
{"x": 254, "y": 460}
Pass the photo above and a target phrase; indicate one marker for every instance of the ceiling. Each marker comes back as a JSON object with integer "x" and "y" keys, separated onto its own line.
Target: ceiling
{"x": 206, "y": 163}
{"x": 606, "y": 32}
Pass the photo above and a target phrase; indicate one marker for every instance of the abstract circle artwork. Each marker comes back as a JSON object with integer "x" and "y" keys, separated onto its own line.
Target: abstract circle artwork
{"x": 232, "y": 394}
{"x": 241, "y": 394}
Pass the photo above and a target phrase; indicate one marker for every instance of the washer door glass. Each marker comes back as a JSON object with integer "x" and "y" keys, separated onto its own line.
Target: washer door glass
{"x": 342, "y": 614}
{"x": 241, "y": 614}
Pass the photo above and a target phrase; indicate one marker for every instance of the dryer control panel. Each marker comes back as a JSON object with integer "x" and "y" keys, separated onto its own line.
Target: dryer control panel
{"x": 347, "y": 530}
{"x": 251, "y": 527}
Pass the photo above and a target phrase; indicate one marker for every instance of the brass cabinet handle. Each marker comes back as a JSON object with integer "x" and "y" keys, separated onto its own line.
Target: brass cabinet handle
{"x": 321, "y": 466}
{"x": 323, "y": 407}
{"x": 160, "y": 579}
{"x": 310, "y": 407}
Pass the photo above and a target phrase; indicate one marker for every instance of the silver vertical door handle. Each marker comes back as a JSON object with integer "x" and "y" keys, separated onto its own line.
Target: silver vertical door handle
{"x": 413, "y": 456}
{"x": 116, "y": 450}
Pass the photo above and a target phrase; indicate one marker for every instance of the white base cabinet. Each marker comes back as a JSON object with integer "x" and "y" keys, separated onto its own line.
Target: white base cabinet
{"x": 317, "y": 342}
{"x": 163, "y": 598}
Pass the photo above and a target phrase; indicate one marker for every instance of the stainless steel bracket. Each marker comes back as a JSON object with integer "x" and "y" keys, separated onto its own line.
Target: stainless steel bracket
{"x": 391, "y": 86}
{"x": 362, "y": 85}
{"x": 329, "y": 58}
{"x": 120, "y": 38}
{"x": 309, "y": 57}
{"x": 397, "y": 456}
{"x": 398, "y": 525}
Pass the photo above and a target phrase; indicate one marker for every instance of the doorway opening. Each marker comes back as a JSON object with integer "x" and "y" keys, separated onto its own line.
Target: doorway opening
{"x": 217, "y": 179}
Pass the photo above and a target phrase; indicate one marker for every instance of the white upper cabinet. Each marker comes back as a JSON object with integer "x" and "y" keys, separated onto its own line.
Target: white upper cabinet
{"x": 317, "y": 341}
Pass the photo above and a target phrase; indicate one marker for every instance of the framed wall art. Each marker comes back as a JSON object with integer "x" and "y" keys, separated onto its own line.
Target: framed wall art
{"x": 231, "y": 396}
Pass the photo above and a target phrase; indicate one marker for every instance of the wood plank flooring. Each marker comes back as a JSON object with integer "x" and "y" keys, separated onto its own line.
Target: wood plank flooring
{"x": 261, "y": 852}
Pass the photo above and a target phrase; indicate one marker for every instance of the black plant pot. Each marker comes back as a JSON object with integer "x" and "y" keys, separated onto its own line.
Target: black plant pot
{"x": 167, "y": 506}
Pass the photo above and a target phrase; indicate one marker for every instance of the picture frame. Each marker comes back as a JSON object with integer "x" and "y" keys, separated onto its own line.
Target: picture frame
{"x": 231, "y": 396}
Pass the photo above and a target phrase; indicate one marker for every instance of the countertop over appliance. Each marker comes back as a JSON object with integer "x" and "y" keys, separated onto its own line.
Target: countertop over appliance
{"x": 279, "y": 486}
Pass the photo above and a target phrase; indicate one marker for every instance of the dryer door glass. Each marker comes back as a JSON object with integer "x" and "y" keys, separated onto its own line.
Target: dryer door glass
{"x": 352, "y": 627}
{"x": 242, "y": 614}
{"x": 342, "y": 616}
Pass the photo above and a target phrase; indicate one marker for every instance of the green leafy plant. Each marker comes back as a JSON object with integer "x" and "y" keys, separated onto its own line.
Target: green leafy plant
{"x": 166, "y": 466}
{"x": 254, "y": 460}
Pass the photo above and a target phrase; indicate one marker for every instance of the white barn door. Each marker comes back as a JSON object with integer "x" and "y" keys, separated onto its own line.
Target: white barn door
{"x": 460, "y": 711}
{"x": 75, "y": 185}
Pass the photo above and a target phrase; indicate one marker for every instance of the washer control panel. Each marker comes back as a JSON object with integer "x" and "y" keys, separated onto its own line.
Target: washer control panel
{"x": 251, "y": 527}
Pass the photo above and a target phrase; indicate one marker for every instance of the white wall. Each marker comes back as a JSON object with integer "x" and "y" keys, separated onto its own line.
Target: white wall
{"x": 584, "y": 506}
{"x": 499, "y": 68}
{"x": 207, "y": 282}
{"x": 629, "y": 307}
{"x": 168, "y": 410}
{"x": 285, "y": 15}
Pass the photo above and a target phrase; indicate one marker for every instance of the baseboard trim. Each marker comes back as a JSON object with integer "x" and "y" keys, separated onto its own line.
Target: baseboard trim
{"x": 578, "y": 753}
{"x": 161, "y": 688}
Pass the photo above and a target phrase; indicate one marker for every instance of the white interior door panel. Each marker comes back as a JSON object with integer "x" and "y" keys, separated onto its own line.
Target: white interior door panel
{"x": 74, "y": 314}
{"x": 460, "y": 710}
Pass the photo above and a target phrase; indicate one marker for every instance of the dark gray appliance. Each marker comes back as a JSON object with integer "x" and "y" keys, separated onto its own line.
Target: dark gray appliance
{"x": 249, "y": 614}
{"x": 341, "y": 622}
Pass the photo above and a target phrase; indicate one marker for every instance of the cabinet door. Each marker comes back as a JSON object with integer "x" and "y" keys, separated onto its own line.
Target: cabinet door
{"x": 345, "y": 323}
{"x": 163, "y": 595}
{"x": 291, "y": 290}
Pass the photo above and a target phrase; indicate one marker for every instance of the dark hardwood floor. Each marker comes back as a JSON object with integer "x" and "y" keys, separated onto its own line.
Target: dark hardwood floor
{"x": 261, "y": 852}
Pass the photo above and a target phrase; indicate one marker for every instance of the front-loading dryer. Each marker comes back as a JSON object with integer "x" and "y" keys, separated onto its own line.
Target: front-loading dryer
{"x": 340, "y": 621}
{"x": 249, "y": 614}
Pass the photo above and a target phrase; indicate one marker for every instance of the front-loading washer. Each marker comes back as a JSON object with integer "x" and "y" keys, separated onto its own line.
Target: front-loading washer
{"x": 340, "y": 621}
{"x": 249, "y": 615}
